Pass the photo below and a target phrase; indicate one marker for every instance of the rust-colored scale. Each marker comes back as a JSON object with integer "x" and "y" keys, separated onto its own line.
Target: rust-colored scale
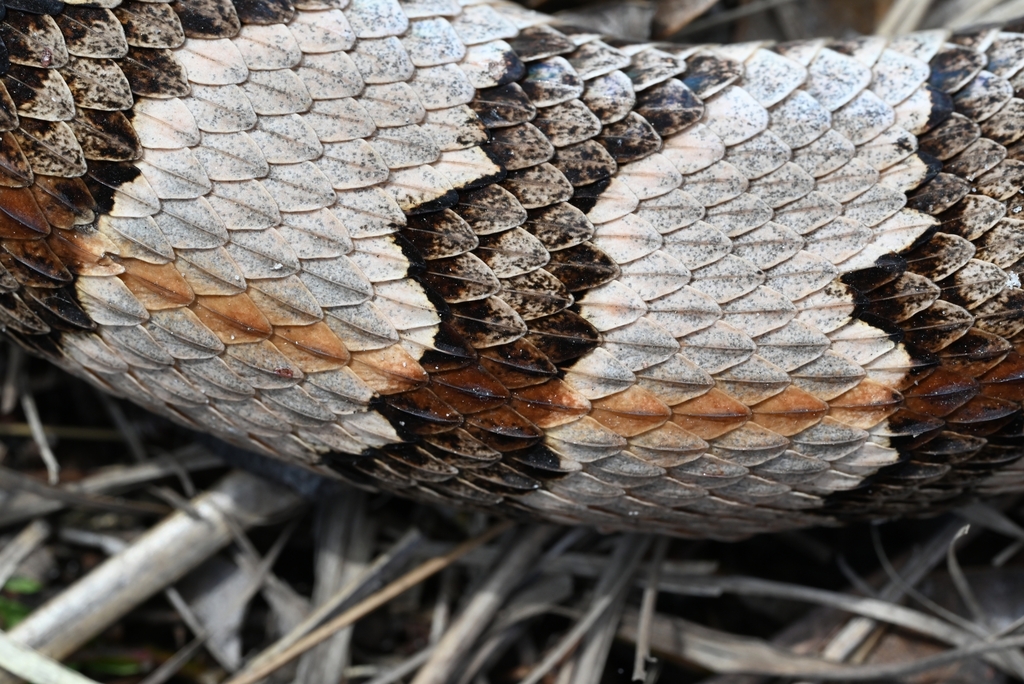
{"x": 486, "y": 411}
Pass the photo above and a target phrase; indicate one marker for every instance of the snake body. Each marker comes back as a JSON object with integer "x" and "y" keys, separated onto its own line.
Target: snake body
{"x": 470, "y": 255}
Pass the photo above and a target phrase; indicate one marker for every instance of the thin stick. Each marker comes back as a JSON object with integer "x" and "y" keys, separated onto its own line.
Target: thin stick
{"x": 28, "y": 406}
{"x": 620, "y": 571}
{"x": 154, "y": 561}
{"x": 16, "y": 481}
{"x": 124, "y": 426}
{"x": 728, "y": 653}
{"x": 170, "y": 667}
{"x": 15, "y": 361}
{"x": 643, "y": 628}
{"x": 20, "y": 547}
{"x": 963, "y": 587}
{"x": 472, "y": 622}
{"x": 367, "y": 606}
{"x": 24, "y": 504}
{"x": 34, "y": 667}
{"x": 83, "y": 434}
{"x": 396, "y": 554}
{"x": 344, "y": 547}
{"x": 853, "y": 634}
{"x": 731, "y": 15}
{"x": 593, "y": 650}
{"x": 904, "y": 16}
{"x": 407, "y": 666}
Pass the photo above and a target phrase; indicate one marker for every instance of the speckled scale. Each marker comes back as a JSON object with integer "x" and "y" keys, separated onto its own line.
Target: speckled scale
{"x": 509, "y": 263}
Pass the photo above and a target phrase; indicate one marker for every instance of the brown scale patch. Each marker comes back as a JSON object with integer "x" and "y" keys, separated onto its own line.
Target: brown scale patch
{"x": 866, "y": 405}
{"x": 64, "y": 201}
{"x": 313, "y": 348}
{"x": 516, "y": 365}
{"x": 982, "y": 416}
{"x": 470, "y": 389}
{"x": 234, "y": 319}
{"x": 15, "y": 171}
{"x": 156, "y": 286}
{"x": 711, "y": 415}
{"x": 84, "y": 253}
{"x": 791, "y": 411}
{"x": 550, "y": 404}
{"x": 388, "y": 371}
{"x": 34, "y": 263}
{"x": 21, "y": 217}
{"x": 421, "y": 412}
{"x": 941, "y": 393}
{"x": 631, "y": 412}
{"x": 503, "y": 429}
{"x": 1006, "y": 379}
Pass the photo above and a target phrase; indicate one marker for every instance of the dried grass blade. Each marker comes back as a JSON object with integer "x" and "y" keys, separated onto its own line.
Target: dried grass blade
{"x": 728, "y": 653}
{"x": 15, "y": 481}
{"x": 617, "y": 575}
{"x": 904, "y": 16}
{"x": 471, "y": 623}
{"x": 17, "y": 549}
{"x": 34, "y": 667}
{"x": 366, "y": 582}
{"x": 371, "y": 603}
{"x": 28, "y": 406}
{"x": 156, "y": 559}
{"x": 647, "y": 601}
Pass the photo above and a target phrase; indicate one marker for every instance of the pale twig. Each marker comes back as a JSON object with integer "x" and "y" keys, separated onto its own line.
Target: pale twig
{"x": 992, "y": 519}
{"x": 913, "y": 593}
{"x": 853, "y": 634}
{"x": 16, "y": 481}
{"x": 440, "y": 616}
{"x": 479, "y": 612}
{"x": 367, "y": 581}
{"x": 76, "y": 432}
{"x": 578, "y": 564}
{"x": 12, "y": 376}
{"x": 1013, "y": 658}
{"x": 670, "y": 17}
{"x": 365, "y": 607}
{"x": 647, "y": 602}
{"x": 1012, "y": 9}
{"x": 344, "y": 543}
{"x": 24, "y": 663}
{"x": 172, "y": 665}
{"x": 731, "y": 15}
{"x": 963, "y": 587}
{"x": 17, "y": 549}
{"x": 158, "y": 558}
{"x": 873, "y": 608}
{"x": 1008, "y": 552}
{"x": 618, "y": 574}
{"x": 112, "y": 545}
{"x": 728, "y": 653}
{"x": 593, "y": 651}
{"x": 28, "y": 406}
{"x": 27, "y": 502}
{"x": 406, "y": 667}
{"x": 904, "y": 16}
{"x": 967, "y": 12}
{"x": 128, "y": 431}
{"x": 540, "y": 597}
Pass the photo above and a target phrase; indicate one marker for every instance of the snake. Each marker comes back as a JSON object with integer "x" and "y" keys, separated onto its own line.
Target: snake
{"x": 470, "y": 254}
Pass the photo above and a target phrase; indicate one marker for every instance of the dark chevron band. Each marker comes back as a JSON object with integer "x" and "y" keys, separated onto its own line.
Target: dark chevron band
{"x": 469, "y": 255}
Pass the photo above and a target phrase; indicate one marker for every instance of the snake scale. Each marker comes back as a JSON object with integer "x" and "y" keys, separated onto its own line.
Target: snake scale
{"x": 468, "y": 254}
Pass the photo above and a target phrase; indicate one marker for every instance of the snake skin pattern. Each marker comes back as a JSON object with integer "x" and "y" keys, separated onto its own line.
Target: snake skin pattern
{"x": 463, "y": 253}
